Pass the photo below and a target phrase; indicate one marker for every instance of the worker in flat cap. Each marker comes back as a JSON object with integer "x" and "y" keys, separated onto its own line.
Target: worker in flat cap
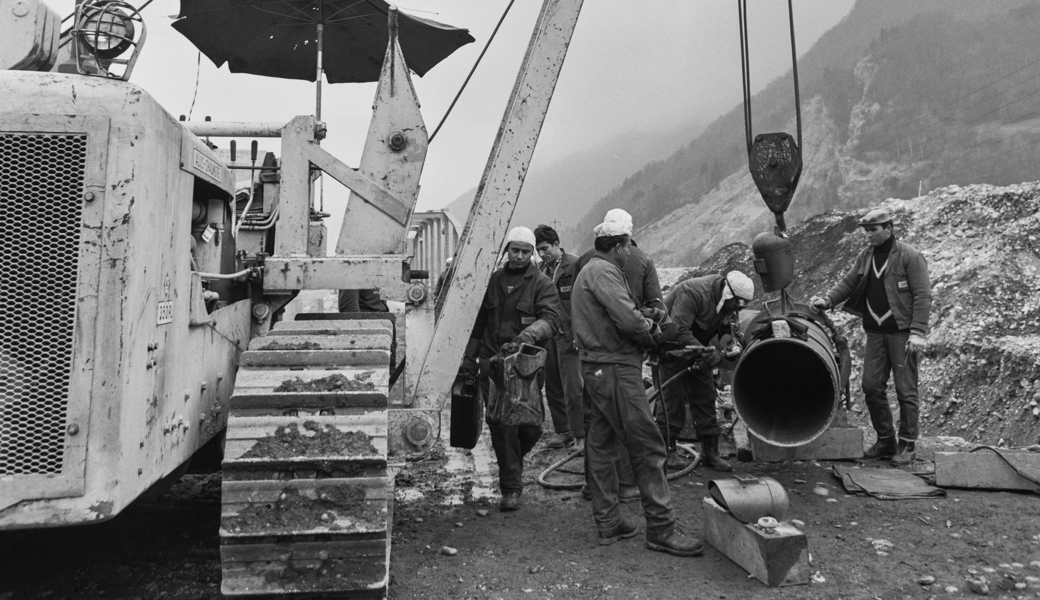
{"x": 703, "y": 309}
{"x": 520, "y": 306}
{"x": 888, "y": 287}
{"x": 611, "y": 336}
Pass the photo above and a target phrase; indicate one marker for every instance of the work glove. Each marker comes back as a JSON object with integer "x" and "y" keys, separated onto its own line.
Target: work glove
{"x": 509, "y": 348}
{"x": 820, "y": 304}
{"x": 655, "y": 332}
{"x": 533, "y": 333}
{"x": 916, "y": 343}
{"x": 713, "y": 359}
{"x": 654, "y": 314}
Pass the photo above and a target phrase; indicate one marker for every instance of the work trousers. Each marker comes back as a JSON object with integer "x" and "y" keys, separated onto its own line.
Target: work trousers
{"x": 886, "y": 353}
{"x": 620, "y": 411}
{"x": 511, "y": 445}
{"x": 563, "y": 387}
{"x": 622, "y": 465}
{"x": 697, "y": 387}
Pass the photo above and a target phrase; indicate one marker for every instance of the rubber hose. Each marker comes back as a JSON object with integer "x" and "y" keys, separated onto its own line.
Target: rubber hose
{"x": 544, "y": 482}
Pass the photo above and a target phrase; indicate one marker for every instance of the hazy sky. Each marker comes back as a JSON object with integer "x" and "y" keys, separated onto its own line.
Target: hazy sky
{"x": 631, "y": 66}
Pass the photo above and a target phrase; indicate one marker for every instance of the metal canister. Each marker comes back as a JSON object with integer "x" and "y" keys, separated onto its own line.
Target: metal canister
{"x": 749, "y": 498}
{"x": 774, "y": 260}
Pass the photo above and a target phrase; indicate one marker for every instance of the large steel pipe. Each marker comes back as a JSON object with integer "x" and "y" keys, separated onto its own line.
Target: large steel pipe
{"x": 787, "y": 389}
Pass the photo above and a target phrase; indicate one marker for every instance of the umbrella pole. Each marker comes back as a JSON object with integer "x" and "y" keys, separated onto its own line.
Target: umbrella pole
{"x": 317, "y": 109}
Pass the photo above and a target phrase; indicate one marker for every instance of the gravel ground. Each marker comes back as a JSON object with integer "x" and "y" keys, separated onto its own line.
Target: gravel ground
{"x": 167, "y": 547}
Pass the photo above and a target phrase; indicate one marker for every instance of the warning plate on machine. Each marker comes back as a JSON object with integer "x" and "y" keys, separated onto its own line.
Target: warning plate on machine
{"x": 165, "y": 313}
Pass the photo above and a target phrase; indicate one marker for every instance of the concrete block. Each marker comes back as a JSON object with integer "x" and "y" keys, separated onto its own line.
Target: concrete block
{"x": 837, "y": 443}
{"x": 780, "y": 558}
{"x": 985, "y": 469}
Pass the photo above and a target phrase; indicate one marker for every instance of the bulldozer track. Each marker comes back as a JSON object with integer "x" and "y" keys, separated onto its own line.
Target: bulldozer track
{"x": 306, "y": 498}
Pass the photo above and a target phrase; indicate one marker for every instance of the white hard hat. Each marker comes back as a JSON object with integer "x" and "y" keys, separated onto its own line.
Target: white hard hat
{"x": 738, "y": 285}
{"x": 741, "y": 285}
{"x": 520, "y": 234}
{"x": 616, "y": 222}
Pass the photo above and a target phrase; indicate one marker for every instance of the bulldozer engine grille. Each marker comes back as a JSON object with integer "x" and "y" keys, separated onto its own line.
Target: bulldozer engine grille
{"x": 41, "y": 190}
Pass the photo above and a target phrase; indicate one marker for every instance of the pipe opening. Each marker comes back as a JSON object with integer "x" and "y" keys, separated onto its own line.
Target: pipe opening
{"x": 785, "y": 391}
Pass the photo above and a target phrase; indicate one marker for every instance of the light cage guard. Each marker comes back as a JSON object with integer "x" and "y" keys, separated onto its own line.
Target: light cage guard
{"x": 104, "y": 31}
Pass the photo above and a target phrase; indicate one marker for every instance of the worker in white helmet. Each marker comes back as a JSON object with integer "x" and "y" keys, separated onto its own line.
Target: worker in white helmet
{"x": 520, "y": 306}
{"x": 611, "y": 335}
{"x": 702, "y": 308}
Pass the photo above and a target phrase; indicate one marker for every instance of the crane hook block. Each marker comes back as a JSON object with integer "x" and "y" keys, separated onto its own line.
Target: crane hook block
{"x": 775, "y": 162}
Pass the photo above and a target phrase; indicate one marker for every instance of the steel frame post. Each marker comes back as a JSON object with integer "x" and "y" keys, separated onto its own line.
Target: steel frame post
{"x": 496, "y": 199}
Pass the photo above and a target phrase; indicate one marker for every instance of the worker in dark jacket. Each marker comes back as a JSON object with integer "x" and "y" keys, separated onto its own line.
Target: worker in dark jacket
{"x": 702, "y": 308}
{"x": 562, "y": 367}
{"x": 643, "y": 284}
{"x": 888, "y": 288}
{"x": 611, "y": 336}
{"x": 520, "y": 306}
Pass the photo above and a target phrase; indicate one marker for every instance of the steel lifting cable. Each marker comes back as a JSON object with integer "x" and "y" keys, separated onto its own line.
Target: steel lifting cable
{"x": 745, "y": 70}
{"x": 774, "y": 159}
{"x": 471, "y": 71}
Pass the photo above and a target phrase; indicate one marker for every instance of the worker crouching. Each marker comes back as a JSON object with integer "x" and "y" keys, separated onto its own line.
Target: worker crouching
{"x": 520, "y": 307}
{"x": 611, "y": 336}
{"x": 702, "y": 308}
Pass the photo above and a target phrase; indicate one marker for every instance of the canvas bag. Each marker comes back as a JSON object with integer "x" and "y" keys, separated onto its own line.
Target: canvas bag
{"x": 515, "y": 391}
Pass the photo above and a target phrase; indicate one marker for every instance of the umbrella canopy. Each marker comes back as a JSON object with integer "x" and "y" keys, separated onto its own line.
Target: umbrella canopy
{"x": 278, "y": 38}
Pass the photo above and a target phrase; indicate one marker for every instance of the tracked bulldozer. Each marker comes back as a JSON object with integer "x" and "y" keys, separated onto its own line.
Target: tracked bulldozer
{"x": 144, "y": 293}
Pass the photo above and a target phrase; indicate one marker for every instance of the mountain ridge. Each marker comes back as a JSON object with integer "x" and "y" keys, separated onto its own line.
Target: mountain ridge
{"x": 887, "y": 63}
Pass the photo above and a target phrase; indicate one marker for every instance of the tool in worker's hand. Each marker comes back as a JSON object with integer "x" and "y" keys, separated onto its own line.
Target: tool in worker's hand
{"x": 688, "y": 353}
{"x": 654, "y": 314}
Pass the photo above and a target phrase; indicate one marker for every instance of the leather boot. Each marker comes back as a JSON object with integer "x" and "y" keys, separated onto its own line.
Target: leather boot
{"x": 882, "y": 448}
{"x": 625, "y": 528}
{"x": 907, "y": 454}
{"x": 675, "y": 462}
{"x": 509, "y": 502}
{"x": 710, "y": 454}
{"x": 675, "y": 543}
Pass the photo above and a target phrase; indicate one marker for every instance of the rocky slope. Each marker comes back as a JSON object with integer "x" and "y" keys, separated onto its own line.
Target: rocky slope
{"x": 981, "y": 376}
{"x": 945, "y": 94}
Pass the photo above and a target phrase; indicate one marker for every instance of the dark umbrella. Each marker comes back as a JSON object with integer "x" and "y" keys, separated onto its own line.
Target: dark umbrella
{"x": 288, "y": 38}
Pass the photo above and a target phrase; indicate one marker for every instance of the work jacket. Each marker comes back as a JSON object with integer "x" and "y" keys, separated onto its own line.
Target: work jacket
{"x": 562, "y": 274}
{"x": 907, "y": 287}
{"x": 503, "y": 315}
{"x": 692, "y": 306}
{"x": 641, "y": 275}
{"x": 607, "y": 326}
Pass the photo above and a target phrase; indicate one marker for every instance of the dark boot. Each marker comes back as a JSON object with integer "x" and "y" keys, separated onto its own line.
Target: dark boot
{"x": 907, "y": 454}
{"x": 710, "y": 454}
{"x": 509, "y": 502}
{"x": 626, "y": 528}
{"x": 675, "y": 462}
{"x": 882, "y": 448}
{"x": 675, "y": 543}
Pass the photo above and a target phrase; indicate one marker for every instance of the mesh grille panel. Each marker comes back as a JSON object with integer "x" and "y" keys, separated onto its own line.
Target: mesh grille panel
{"x": 41, "y": 188}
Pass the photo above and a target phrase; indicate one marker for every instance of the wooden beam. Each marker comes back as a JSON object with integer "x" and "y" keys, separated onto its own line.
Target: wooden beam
{"x": 985, "y": 469}
{"x": 837, "y": 443}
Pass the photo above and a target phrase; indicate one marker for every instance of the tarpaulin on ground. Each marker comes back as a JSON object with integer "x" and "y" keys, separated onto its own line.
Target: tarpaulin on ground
{"x": 885, "y": 484}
